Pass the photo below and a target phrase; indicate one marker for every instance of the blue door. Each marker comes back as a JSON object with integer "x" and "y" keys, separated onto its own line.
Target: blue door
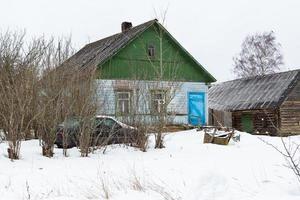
{"x": 196, "y": 107}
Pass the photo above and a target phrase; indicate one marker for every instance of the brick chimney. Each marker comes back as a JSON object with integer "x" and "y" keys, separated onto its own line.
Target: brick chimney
{"x": 126, "y": 26}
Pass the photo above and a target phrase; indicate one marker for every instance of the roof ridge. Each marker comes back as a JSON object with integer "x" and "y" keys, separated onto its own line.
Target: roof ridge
{"x": 120, "y": 33}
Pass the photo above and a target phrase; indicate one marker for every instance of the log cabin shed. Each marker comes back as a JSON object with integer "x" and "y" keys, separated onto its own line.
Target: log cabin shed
{"x": 268, "y": 104}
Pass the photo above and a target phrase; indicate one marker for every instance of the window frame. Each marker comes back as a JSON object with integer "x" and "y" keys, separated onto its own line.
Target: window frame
{"x": 151, "y": 51}
{"x": 122, "y": 112}
{"x": 161, "y": 107}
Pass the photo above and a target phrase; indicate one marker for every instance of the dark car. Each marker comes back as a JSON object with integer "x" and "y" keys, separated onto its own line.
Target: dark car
{"x": 106, "y": 130}
{"x": 67, "y": 133}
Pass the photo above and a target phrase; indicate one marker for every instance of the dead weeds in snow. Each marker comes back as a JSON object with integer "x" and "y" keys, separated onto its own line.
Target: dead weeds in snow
{"x": 110, "y": 186}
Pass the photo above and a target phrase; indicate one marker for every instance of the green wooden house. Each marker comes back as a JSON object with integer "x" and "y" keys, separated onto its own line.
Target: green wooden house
{"x": 144, "y": 70}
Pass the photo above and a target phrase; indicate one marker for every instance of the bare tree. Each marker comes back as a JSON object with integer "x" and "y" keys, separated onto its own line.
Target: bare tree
{"x": 165, "y": 88}
{"x": 260, "y": 55}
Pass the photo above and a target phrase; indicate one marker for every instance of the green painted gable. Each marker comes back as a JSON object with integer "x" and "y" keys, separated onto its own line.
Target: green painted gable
{"x": 172, "y": 63}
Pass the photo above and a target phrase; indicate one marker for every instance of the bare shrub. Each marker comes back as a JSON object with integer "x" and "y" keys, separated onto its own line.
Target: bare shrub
{"x": 142, "y": 137}
{"x": 2, "y": 136}
{"x": 291, "y": 154}
{"x": 80, "y": 103}
{"x": 66, "y": 93}
{"x": 19, "y": 70}
{"x": 85, "y": 106}
{"x": 53, "y": 92}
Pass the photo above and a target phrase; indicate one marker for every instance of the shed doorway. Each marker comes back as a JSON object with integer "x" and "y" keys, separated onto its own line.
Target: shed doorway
{"x": 247, "y": 122}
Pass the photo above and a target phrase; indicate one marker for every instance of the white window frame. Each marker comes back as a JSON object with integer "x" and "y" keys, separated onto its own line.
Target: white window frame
{"x": 159, "y": 101}
{"x": 118, "y": 99}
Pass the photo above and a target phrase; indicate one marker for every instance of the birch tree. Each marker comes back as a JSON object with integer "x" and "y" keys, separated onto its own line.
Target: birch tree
{"x": 260, "y": 55}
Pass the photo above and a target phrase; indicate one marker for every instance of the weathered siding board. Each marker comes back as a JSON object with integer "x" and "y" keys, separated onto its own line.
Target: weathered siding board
{"x": 266, "y": 121}
{"x": 105, "y": 97}
{"x": 178, "y": 105}
{"x": 220, "y": 118}
{"x": 237, "y": 120}
{"x": 290, "y": 120}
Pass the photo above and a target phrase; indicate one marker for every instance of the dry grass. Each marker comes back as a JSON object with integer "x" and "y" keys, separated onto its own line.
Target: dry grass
{"x": 105, "y": 188}
{"x": 136, "y": 182}
{"x": 110, "y": 186}
{"x": 163, "y": 191}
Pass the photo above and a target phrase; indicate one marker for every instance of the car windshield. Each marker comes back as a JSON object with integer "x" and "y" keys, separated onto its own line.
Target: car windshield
{"x": 71, "y": 123}
{"x": 98, "y": 121}
{"x": 109, "y": 122}
{"x": 106, "y": 122}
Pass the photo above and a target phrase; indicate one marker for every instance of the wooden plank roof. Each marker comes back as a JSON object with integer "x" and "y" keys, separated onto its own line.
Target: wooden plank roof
{"x": 98, "y": 52}
{"x": 259, "y": 92}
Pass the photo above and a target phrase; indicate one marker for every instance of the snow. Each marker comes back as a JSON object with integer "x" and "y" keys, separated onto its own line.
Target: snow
{"x": 186, "y": 169}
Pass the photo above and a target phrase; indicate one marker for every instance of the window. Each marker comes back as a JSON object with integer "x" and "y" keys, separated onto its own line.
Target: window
{"x": 123, "y": 102}
{"x": 151, "y": 51}
{"x": 109, "y": 123}
{"x": 158, "y": 98}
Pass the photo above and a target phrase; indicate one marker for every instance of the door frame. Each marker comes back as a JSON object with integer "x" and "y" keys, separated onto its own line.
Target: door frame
{"x": 188, "y": 104}
{"x": 249, "y": 116}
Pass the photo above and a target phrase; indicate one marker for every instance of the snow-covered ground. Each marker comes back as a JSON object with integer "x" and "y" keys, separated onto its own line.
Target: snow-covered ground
{"x": 186, "y": 169}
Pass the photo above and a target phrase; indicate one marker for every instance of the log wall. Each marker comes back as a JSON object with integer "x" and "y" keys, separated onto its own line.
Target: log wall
{"x": 264, "y": 121}
{"x": 290, "y": 112}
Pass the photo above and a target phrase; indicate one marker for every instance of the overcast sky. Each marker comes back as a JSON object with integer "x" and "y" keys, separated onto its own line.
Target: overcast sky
{"x": 211, "y": 30}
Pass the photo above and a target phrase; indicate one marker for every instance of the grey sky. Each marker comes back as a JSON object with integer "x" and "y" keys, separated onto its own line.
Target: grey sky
{"x": 212, "y": 30}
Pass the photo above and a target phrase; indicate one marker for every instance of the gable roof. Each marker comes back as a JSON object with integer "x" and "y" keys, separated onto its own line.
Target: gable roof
{"x": 95, "y": 53}
{"x": 259, "y": 92}
{"x": 98, "y": 52}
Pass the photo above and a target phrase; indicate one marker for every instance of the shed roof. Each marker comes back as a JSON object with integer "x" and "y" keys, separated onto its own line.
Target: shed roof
{"x": 259, "y": 92}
